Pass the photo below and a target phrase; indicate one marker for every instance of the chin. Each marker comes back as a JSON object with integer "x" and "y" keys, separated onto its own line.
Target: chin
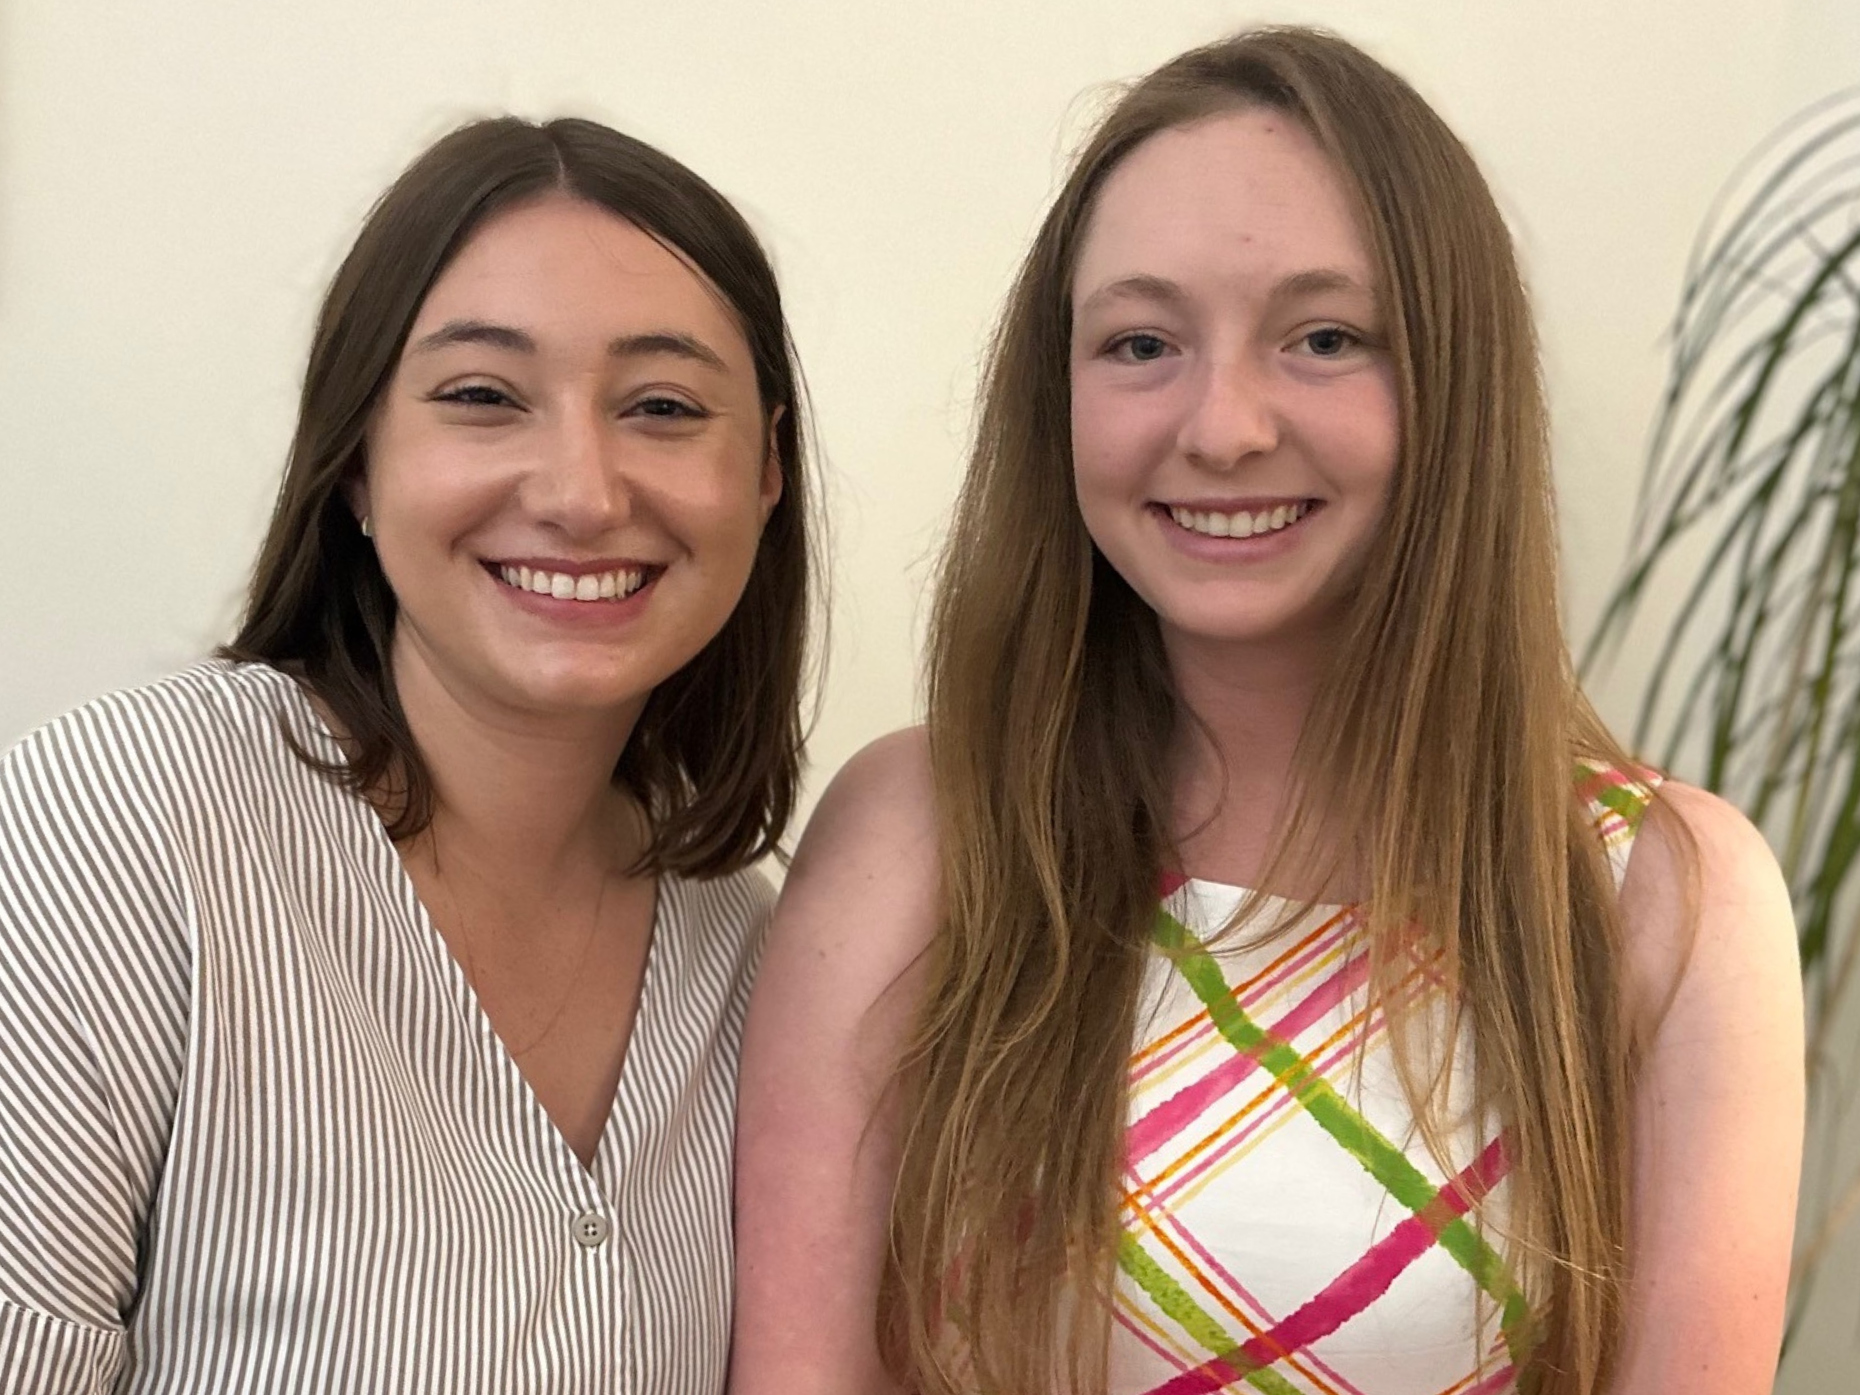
{"x": 569, "y": 693}
{"x": 1248, "y": 630}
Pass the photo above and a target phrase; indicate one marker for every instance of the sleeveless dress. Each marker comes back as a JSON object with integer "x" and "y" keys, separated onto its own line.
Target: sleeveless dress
{"x": 1285, "y": 1229}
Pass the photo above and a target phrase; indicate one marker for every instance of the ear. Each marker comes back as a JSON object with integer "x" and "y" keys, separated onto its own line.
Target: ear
{"x": 355, "y": 494}
{"x": 771, "y": 467}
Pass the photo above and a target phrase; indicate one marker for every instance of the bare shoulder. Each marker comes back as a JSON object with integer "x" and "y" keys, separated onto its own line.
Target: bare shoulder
{"x": 1715, "y": 988}
{"x": 878, "y": 806}
{"x": 1704, "y": 903}
{"x": 818, "y": 1117}
{"x": 861, "y": 898}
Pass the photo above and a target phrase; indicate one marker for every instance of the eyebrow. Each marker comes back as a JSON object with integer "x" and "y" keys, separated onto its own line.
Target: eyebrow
{"x": 673, "y": 343}
{"x": 1313, "y": 282}
{"x": 667, "y": 341}
{"x": 1140, "y": 287}
{"x": 475, "y": 332}
{"x": 1161, "y": 288}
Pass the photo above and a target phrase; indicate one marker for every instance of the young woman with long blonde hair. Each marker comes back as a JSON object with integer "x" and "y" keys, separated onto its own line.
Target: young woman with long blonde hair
{"x": 1413, "y": 1081}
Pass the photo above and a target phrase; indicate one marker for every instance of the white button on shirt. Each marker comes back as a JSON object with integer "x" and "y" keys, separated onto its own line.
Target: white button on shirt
{"x": 255, "y": 1131}
{"x": 592, "y": 1229}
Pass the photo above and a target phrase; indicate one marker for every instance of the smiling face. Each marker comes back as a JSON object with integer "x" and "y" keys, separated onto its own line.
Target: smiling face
{"x": 1234, "y": 411}
{"x": 568, "y": 472}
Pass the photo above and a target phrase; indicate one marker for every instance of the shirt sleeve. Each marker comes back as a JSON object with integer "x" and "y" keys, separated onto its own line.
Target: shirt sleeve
{"x": 42, "y": 1355}
{"x": 93, "y": 996}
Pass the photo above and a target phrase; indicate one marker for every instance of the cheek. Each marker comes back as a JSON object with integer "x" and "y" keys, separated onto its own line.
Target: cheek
{"x": 718, "y": 505}
{"x": 1360, "y": 440}
{"x": 1094, "y": 468}
{"x": 439, "y": 507}
{"x": 1117, "y": 440}
{"x": 430, "y": 482}
{"x": 1113, "y": 441}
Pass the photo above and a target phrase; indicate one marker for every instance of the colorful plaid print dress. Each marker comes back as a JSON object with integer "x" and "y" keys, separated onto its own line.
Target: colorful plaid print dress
{"x": 1285, "y": 1229}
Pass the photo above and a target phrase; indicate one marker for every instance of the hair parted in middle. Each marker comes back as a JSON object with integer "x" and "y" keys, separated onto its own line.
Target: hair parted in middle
{"x": 1052, "y": 710}
{"x": 716, "y": 755}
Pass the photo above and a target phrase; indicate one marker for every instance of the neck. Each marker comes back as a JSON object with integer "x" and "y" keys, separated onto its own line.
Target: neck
{"x": 524, "y": 803}
{"x": 1250, "y": 702}
{"x": 1234, "y": 769}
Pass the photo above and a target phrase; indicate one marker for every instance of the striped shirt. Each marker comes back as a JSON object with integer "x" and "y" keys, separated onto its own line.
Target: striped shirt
{"x": 256, "y": 1134}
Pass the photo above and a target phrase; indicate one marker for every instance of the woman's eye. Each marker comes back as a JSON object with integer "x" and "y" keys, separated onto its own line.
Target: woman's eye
{"x": 1139, "y": 348}
{"x": 668, "y": 409}
{"x": 1329, "y": 342}
{"x": 474, "y": 395}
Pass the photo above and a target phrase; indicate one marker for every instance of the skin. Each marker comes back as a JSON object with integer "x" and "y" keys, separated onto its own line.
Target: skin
{"x": 1228, "y": 387}
{"x": 817, "y": 1129}
{"x": 1232, "y": 357}
{"x": 1717, "y": 1132}
{"x": 573, "y": 397}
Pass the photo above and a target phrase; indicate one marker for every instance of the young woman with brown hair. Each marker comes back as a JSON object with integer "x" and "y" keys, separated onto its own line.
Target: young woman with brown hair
{"x": 372, "y": 993}
{"x": 1414, "y": 1082}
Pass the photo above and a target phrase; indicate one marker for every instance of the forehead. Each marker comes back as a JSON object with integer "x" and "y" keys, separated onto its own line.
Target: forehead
{"x": 565, "y": 265}
{"x": 1240, "y": 195}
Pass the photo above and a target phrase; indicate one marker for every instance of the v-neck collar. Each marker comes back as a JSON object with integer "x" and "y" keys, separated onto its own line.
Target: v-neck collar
{"x": 448, "y": 974}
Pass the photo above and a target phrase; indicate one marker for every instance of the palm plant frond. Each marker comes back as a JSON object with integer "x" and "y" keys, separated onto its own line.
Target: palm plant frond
{"x": 1752, "y": 494}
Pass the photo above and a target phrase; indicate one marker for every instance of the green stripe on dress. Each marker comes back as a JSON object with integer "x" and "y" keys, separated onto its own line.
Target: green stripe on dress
{"x": 1177, "y": 1305}
{"x": 1357, "y": 1136}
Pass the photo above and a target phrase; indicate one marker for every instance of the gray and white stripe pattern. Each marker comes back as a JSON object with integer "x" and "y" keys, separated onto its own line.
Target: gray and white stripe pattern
{"x": 256, "y": 1133}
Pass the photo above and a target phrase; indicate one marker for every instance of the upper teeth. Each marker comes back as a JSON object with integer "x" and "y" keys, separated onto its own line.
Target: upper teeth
{"x": 589, "y": 586}
{"x": 1242, "y": 524}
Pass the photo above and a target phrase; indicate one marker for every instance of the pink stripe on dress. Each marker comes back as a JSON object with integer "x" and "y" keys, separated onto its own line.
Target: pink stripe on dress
{"x": 1174, "y": 1114}
{"x": 1356, "y": 1287}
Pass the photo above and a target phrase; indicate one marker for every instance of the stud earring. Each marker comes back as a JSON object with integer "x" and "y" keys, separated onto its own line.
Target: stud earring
{"x": 368, "y": 527}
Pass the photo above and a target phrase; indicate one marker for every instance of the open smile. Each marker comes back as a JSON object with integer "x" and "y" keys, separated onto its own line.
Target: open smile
{"x": 612, "y": 584}
{"x": 1240, "y": 523}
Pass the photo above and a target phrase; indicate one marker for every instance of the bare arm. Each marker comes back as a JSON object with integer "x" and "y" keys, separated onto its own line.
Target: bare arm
{"x": 817, "y": 1131}
{"x": 1718, "y": 1121}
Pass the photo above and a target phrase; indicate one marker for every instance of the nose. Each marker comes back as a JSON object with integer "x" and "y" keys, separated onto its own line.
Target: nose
{"x": 576, "y": 482}
{"x": 1231, "y": 417}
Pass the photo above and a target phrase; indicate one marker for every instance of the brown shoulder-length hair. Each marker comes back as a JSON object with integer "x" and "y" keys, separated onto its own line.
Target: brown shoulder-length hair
{"x": 1441, "y": 745}
{"x": 715, "y": 758}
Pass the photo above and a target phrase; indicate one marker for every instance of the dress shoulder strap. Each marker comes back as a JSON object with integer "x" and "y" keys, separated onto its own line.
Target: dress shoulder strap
{"x": 1617, "y": 801}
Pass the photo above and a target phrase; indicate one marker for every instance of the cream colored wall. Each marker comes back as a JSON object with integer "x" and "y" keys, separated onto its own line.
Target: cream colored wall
{"x": 178, "y": 180}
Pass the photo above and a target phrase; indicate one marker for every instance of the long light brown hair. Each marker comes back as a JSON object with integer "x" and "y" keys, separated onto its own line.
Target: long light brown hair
{"x": 1051, "y": 708}
{"x": 716, "y": 755}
